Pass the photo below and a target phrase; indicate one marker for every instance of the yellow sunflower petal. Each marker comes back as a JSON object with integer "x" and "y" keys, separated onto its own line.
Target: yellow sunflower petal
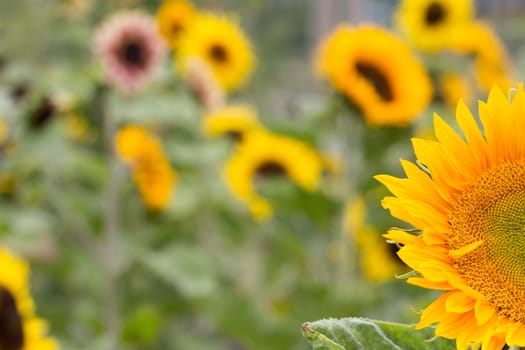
{"x": 459, "y": 302}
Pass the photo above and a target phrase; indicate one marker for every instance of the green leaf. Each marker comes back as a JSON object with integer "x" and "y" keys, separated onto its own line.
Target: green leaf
{"x": 187, "y": 268}
{"x": 142, "y": 326}
{"x": 361, "y": 334}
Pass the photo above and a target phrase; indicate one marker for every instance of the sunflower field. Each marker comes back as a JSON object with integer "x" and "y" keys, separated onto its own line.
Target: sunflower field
{"x": 262, "y": 175}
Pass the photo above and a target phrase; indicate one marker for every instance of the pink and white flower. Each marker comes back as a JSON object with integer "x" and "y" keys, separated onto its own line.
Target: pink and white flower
{"x": 129, "y": 47}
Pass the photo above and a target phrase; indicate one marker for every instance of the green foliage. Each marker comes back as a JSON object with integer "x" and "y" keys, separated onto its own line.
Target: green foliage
{"x": 361, "y": 334}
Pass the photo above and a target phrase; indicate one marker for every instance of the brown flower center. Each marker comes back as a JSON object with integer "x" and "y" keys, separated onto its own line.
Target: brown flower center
{"x": 377, "y": 79}
{"x": 219, "y": 54}
{"x": 11, "y": 331}
{"x": 491, "y": 213}
{"x": 435, "y": 14}
{"x": 236, "y": 135}
{"x": 176, "y": 28}
{"x": 270, "y": 169}
{"x": 133, "y": 53}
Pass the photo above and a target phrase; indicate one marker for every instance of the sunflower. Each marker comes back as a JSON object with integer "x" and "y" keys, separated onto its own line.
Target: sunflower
{"x": 20, "y": 329}
{"x": 173, "y": 17}
{"x": 377, "y": 259}
{"x": 467, "y": 202}
{"x": 129, "y": 47}
{"x": 219, "y": 42}
{"x": 453, "y": 87}
{"x": 152, "y": 172}
{"x": 233, "y": 121}
{"x": 387, "y": 91}
{"x": 265, "y": 154}
{"x": 433, "y": 25}
{"x": 491, "y": 59}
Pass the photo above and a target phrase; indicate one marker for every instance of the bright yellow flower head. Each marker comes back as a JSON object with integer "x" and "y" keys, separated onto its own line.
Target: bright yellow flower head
{"x": 232, "y": 120}
{"x": 389, "y": 91}
{"x": 26, "y": 331}
{"x": 263, "y": 153}
{"x": 467, "y": 200}
{"x": 152, "y": 172}
{"x": 155, "y": 180}
{"x": 173, "y": 18}
{"x": 219, "y": 42}
{"x": 492, "y": 62}
{"x": 133, "y": 142}
{"x": 433, "y": 25}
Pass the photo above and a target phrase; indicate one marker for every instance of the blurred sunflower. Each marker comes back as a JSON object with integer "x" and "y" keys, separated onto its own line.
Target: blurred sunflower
{"x": 387, "y": 91}
{"x": 467, "y": 203}
{"x": 491, "y": 60}
{"x": 155, "y": 181}
{"x": 153, "y": 175}
{"x": 173, "y": 17}
{"x": 233, "y": 121}
{"x": 453, "y": 87}
{"x": 377, "y": 258}
{"x": 129, "y": 47}
{"x": 263, "y": 154}
{"x": 20, "y": 329}
{"x": 220, "y": 43}
{"x": 433, "y": 25}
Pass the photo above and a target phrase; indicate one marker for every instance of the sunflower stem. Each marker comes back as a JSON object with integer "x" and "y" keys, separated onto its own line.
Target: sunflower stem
{"x": 351, "y": 129}
{"x": 110, "y": 243}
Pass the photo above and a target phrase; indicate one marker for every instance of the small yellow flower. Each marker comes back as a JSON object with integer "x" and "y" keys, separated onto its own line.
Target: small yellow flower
{"x": 219, "y": 42}
{"x": 264, "y": 154}
{"x": 134, "y": 142}
{"x": 173, "y": 18}
{"x": 152, "y": 172}
{"x": 155, "y": 180}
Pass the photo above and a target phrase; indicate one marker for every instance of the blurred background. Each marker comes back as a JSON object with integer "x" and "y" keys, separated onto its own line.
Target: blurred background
{"x": 204, "y": 267}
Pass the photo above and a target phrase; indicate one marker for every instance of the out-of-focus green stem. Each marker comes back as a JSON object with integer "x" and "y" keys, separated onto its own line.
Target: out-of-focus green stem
{"x": 110, "y": 241}
{"x": 350, "y": 130}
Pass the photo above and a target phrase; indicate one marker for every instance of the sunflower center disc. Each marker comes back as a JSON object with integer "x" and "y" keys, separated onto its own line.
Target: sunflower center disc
{"x": 235, "y": 135}
{"x": 133, "y": 53}
{"x": 377, "y": 79}
{"x": 492, "y": 211}
{"x": 11, "y": 332}
{"x": 270, "y": 169}
{"x": 176, "y": 28}
{"x": 219, "y": 54}
{"x": 435, "y": 14}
